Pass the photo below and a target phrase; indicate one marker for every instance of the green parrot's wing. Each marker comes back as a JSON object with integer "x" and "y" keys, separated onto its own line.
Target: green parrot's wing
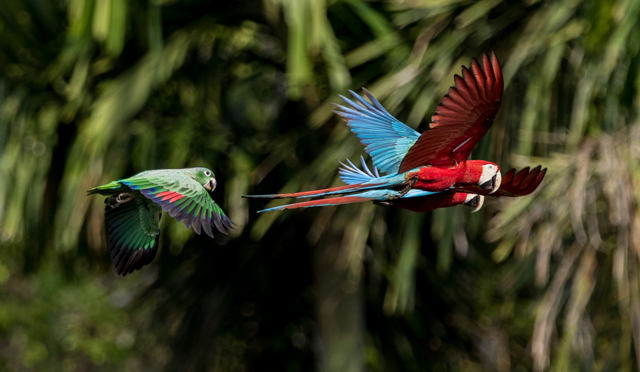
{"x": 183, "y": 198}
{"x": 133, "y": 230}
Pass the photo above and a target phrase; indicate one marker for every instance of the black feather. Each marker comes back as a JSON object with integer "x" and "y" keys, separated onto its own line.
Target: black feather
{"x": 219, "y": 225}
{"x": 227, "y": 222}
{"x": 206, "y": 225}
{"x": 173, "y": 210}
{"x": 143, "y": 258}
{"x": 189, "y": 219}
{"x": 196, "y": 224}
{"x": 121, "y": 261}
{"x": 128, "y": 268}
{"x": 181, "y": 216}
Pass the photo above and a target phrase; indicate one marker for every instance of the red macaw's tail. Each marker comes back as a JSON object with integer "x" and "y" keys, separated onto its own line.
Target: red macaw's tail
{"x": 320, "y": 203}
{"x": 308, "y": 194}
{"x": 346, "y": 189}
{"x": 442, "y": 200}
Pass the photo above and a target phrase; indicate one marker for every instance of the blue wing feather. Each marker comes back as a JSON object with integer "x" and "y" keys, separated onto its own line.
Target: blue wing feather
{"x": 351, "y": 174}
{"x": 386, "y": 139}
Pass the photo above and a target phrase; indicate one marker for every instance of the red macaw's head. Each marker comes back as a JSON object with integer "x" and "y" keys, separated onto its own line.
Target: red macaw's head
{"x": 435, "y": 201}
{"x": 483, "y": 174}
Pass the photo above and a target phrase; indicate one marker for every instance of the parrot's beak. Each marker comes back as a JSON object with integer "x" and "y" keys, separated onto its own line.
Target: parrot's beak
{"x": 211, "y": 184}
{"x": 497, "y": 180}
{"x": 474, "y": 200}
{"x": 493, "y": 184}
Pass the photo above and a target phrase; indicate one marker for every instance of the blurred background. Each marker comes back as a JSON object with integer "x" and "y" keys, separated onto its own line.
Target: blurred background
{"x": 96, "y": 90}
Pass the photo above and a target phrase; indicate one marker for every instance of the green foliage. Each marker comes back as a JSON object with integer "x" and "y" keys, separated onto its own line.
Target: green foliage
{"x": 96, "y": 90}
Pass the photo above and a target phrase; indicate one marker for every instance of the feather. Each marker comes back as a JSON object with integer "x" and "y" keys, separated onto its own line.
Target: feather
{"x": 206, "y": 226}
{"x": 377, "y": 129}
{"x": 130, "y": 227}
{"x": 196, "y": 224}
{"x": 219, "y": 225}
{"x": 466, "y": 112}
{"x": 319, "y": 203}
{"x": 226, "y": 221}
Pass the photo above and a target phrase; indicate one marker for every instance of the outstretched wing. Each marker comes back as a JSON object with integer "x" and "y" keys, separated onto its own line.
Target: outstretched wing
{"x": 385, "y": 139}
{"x": 133, "y": 230}
{"x": 513, "y": 184}
{"x": 462, "y": 118}
{"x": 523, "y": 183}
{"x": 183, "y": 198}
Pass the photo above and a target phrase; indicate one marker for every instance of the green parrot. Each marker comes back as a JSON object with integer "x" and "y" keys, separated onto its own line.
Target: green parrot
{"x": 134, "y": 206}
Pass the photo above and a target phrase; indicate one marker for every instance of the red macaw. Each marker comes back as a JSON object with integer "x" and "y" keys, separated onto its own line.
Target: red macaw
{"x": 513, "y": 185}
{"x": 436, "y": 160}
{"x": 520, "y": 184}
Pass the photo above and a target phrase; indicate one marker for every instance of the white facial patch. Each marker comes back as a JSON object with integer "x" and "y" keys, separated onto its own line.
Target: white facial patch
{"x": 488, "y": 171}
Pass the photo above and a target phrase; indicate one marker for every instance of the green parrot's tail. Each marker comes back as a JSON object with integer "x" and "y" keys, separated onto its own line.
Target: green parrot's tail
{"x": 111, "y": 188}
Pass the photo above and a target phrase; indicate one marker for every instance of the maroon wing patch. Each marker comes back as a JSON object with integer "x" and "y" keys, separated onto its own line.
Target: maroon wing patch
{"x": 521, "y": 183}
{"x": 462, "y": 118}
{"x": 513, "y": 184}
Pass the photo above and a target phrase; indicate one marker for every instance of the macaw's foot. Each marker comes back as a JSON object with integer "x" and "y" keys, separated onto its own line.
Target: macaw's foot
{"x": 383, "y": 203}
{"x": 412, "y": 182}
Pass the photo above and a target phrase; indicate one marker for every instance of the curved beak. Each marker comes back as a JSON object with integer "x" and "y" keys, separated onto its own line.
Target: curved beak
{"x": 493, "y": 184}
{"x": 474, "y": 200}
{"x": 497, "y": 180}
{"x": 211, "y": 184}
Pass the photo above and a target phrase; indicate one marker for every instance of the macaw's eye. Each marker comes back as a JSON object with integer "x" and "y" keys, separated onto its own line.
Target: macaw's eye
{"x": 207, "y": 173}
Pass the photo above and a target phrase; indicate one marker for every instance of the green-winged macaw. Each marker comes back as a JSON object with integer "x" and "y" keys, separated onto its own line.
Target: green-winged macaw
{"x": 513, "y": 184}
{"x": 436, "y": 160}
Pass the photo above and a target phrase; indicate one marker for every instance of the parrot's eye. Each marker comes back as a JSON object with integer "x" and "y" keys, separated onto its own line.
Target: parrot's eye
{"x": 207, "y": 173}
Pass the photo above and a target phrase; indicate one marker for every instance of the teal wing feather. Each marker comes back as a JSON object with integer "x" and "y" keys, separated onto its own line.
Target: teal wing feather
{"x": 133, "y": 231}
{"x": 183, "y": 198}
{"x": 385, "y": 138}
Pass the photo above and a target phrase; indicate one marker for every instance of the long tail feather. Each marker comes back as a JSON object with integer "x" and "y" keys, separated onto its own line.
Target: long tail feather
{"x": 356, "y": 180}
{"x": 346, "y": 189}
{"x": 306, "y": 194}
{"x": 321, "y": 203}
{"x": 370, "y": 195}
